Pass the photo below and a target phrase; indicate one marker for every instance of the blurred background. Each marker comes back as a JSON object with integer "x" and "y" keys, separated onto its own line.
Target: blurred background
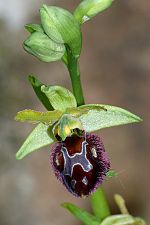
{"x": 115, "y": 68}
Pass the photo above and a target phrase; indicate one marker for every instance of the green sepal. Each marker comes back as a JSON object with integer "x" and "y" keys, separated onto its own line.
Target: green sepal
{"x": 36, "y": 84}
{"x": 32, "y": 27}
{"x": 98, "y": 118}
{"x": 66, "y": 126}
{"x": 61, "y": 26}
{"x": 122, "y": 220}
{"x": 45, "y": 49}
{"x": 38, "y": 138}
{"x": 32, "y": 116}
{"x": 59, "y": 97}
{"x": 81, "y": 214}
{"x": 90, "y": 8}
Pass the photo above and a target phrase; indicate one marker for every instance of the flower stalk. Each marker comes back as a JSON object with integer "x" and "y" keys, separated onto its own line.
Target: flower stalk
{"x": 74, "y": 71}
{"x": 98, "y": 199}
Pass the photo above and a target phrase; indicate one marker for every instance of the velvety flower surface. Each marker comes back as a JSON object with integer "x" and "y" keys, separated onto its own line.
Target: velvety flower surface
{"x": 80, "y": 163}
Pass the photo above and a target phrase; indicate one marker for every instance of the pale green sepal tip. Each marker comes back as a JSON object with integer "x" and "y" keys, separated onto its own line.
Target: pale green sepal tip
{"x": 38, "y": 138}
{"x": 97, "y": 119}
{"x": 59, "y": 97}
{"x": 90, "y": 8}
{"x": 32, "y": 27}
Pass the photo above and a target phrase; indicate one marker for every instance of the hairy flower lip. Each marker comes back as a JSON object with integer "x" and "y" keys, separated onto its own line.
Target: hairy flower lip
{"x": 81, "y": 182}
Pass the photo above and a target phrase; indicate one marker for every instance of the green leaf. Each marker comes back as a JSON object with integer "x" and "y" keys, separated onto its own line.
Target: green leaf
{"x": 90, "y": 8}
{"x": 38, "y": 138}
{"x": 99, "y": 204}
{"x": 61, "y": 26}
{"x": 119, "y": 220}
{"x": 32, "y": 27}
{"x": 45, "y": 49}
{"x": 110, "y": 116}
{"x": 59, "y": 97}
{"x": 36, "y": 84}
{"x": 32, "y": 116}
{"x": 81, "y": 214}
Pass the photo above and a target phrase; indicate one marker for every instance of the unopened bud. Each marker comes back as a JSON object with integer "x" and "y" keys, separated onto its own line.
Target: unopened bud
{"x": 90, "y": 8}
{"x": 61, "y": 26}
{"x": 45, "y": 49}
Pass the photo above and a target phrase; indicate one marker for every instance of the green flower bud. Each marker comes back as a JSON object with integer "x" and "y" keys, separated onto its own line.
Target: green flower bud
{"x": 41, "y": 46}
{"x": 61, "y": 26}
{"x": 90, "y": 8}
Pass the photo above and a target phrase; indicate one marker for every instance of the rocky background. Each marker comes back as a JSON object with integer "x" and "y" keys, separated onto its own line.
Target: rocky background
{"x": 115, "y": 68}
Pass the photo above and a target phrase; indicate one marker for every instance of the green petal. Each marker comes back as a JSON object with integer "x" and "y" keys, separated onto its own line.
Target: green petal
{"x": 59, "y": 97}
{"x": 98, "y": 118}
{"x": 83, "y": 110}
{"x": 36, "y": 84}
{"x": 81, "y": 214}
{"x": 32, "y": 27}
{"x": 32, "y": 116}
{"x": 61, "y": 26}
{"x": 38, "y": 138}
{"x": 90, "y": 8}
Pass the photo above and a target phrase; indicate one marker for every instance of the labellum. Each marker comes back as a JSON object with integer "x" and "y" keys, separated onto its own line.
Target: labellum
{"x": 80, "y": 163}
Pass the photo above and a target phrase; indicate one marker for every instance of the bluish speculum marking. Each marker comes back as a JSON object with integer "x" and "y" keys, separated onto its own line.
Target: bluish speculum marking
{"x": 85, "y": 181}
{"x": 76, "y": 159}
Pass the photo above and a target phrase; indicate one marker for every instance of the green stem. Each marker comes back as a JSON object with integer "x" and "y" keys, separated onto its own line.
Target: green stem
{"x": 99, "y": 204}
{"x": 74, "y": 71}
